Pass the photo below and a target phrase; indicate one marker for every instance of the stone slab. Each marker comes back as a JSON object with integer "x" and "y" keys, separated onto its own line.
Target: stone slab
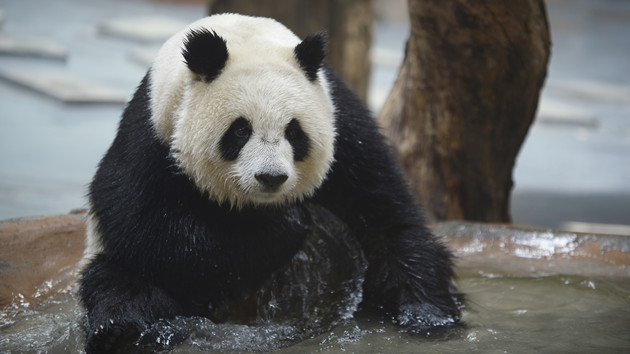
{"x": 32, "y": 46}
{"x": 63, "y": 86}
{"x": 593, "y": 91}
{"x": 598, "y": 228}
{"x": 143, "y": 55}
{"x": 580, "y": 121}
{"x": 144, "y": 29}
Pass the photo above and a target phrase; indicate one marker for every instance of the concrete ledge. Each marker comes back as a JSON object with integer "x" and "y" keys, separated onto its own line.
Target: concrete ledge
{"x": 63, "y": 86}
{"x": 144, "y": 29}
{"x": 32, "y": 47}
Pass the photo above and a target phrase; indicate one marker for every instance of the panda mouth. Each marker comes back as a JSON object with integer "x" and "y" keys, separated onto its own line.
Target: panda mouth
{"x": 267, "y": 197}
{"x": 269, "y": 190}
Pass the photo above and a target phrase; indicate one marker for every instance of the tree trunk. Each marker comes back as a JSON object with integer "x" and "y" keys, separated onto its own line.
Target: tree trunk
{"x": 463, "y": 102}
{"x": 348, "y": 23}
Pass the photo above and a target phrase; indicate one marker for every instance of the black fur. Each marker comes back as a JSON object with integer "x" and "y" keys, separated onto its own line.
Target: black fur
{"x": 409, "y": 272}
{"x": 169, "y": 250}
{"x": 235, "y": 138}
{"x": 205, "y": 53}
{"x": 310, "y": 54}
{"x": 166, "y": 244}
{"x": 298, "y": 139}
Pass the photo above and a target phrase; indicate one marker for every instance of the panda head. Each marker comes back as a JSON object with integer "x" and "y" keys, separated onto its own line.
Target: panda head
{"x": 245, "y": 108}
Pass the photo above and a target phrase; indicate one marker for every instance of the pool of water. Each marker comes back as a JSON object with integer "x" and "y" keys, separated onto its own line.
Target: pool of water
{"x": 503, "y": 314}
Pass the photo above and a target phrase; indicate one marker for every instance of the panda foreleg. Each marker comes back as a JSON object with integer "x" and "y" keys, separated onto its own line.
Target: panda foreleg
{"x": 410, "y": 279}
{"x": 409, "y": 272}
{"x": 120, "y": 306}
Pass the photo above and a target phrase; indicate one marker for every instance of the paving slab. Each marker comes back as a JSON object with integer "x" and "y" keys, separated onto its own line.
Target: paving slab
{"x": 63, "y": 86}
{"x": 32, "y": 46}
{"x": 598, "y": 228}
{"x": 562, "y": 112}
{"x": 593, "y": 91}
{"x": 143, "y": 55}
{"x": 144, "y": 29}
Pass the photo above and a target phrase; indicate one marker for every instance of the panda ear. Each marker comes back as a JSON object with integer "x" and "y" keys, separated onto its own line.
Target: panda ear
{"x": 205, "y": 53}
{"x": 310, "y": 54}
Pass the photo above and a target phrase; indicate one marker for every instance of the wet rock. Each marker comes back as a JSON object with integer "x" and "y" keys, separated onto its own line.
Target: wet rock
{"x": 532, "y": 251}
{"x": 37, "y": 257}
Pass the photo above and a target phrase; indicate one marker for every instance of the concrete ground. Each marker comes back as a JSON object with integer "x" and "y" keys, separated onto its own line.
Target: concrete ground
{"x": 66, "y": 66}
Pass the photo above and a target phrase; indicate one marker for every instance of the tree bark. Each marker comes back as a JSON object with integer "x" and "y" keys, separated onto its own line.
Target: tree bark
{"x": 348, "y": 23}
{"x": 463, "y": 102}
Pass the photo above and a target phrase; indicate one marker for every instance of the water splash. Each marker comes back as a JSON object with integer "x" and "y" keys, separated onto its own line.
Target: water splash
{"x": 320, "y": 289}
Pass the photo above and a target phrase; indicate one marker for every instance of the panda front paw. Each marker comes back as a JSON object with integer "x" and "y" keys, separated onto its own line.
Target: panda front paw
{"x": 111, "y": 336}
{"x": 418, "y": 318}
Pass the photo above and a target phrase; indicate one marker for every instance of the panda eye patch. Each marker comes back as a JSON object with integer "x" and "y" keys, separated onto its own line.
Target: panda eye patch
{"x": 235, "y": 138}
{"x": 298, "y": 140}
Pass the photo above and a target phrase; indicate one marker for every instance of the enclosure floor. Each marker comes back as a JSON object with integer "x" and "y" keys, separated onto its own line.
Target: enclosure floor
{"x": 573, "y": 167}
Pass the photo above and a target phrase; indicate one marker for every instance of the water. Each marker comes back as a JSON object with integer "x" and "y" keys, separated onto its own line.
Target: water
{"x": 503, "y": 314}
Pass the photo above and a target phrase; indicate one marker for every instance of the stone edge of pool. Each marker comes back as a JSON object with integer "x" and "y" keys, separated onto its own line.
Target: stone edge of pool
{"x": 38, "y": 255}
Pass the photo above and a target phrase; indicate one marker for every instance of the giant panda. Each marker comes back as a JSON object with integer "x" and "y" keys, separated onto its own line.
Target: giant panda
{"x": 236, "y": 128}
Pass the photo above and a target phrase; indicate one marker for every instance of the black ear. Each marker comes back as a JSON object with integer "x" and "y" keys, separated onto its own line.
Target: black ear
{"x": 310, "y": 54}
{"x": 205, "y": 53}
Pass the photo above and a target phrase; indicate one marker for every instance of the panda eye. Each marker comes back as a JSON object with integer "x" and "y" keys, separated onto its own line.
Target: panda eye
{"x": 243, "y": 132}
{"x": 291, "y": 134}
{"x": 298, "y": 140}
{"x": 235, "y": 138}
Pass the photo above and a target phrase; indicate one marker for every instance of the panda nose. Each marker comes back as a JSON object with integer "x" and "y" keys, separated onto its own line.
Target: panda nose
{"x": 271, "y": 181}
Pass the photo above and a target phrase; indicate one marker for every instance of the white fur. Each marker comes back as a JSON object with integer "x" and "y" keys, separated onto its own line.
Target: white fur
{"x": 261, "y": 82}
{"x": 93, "y": 242}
